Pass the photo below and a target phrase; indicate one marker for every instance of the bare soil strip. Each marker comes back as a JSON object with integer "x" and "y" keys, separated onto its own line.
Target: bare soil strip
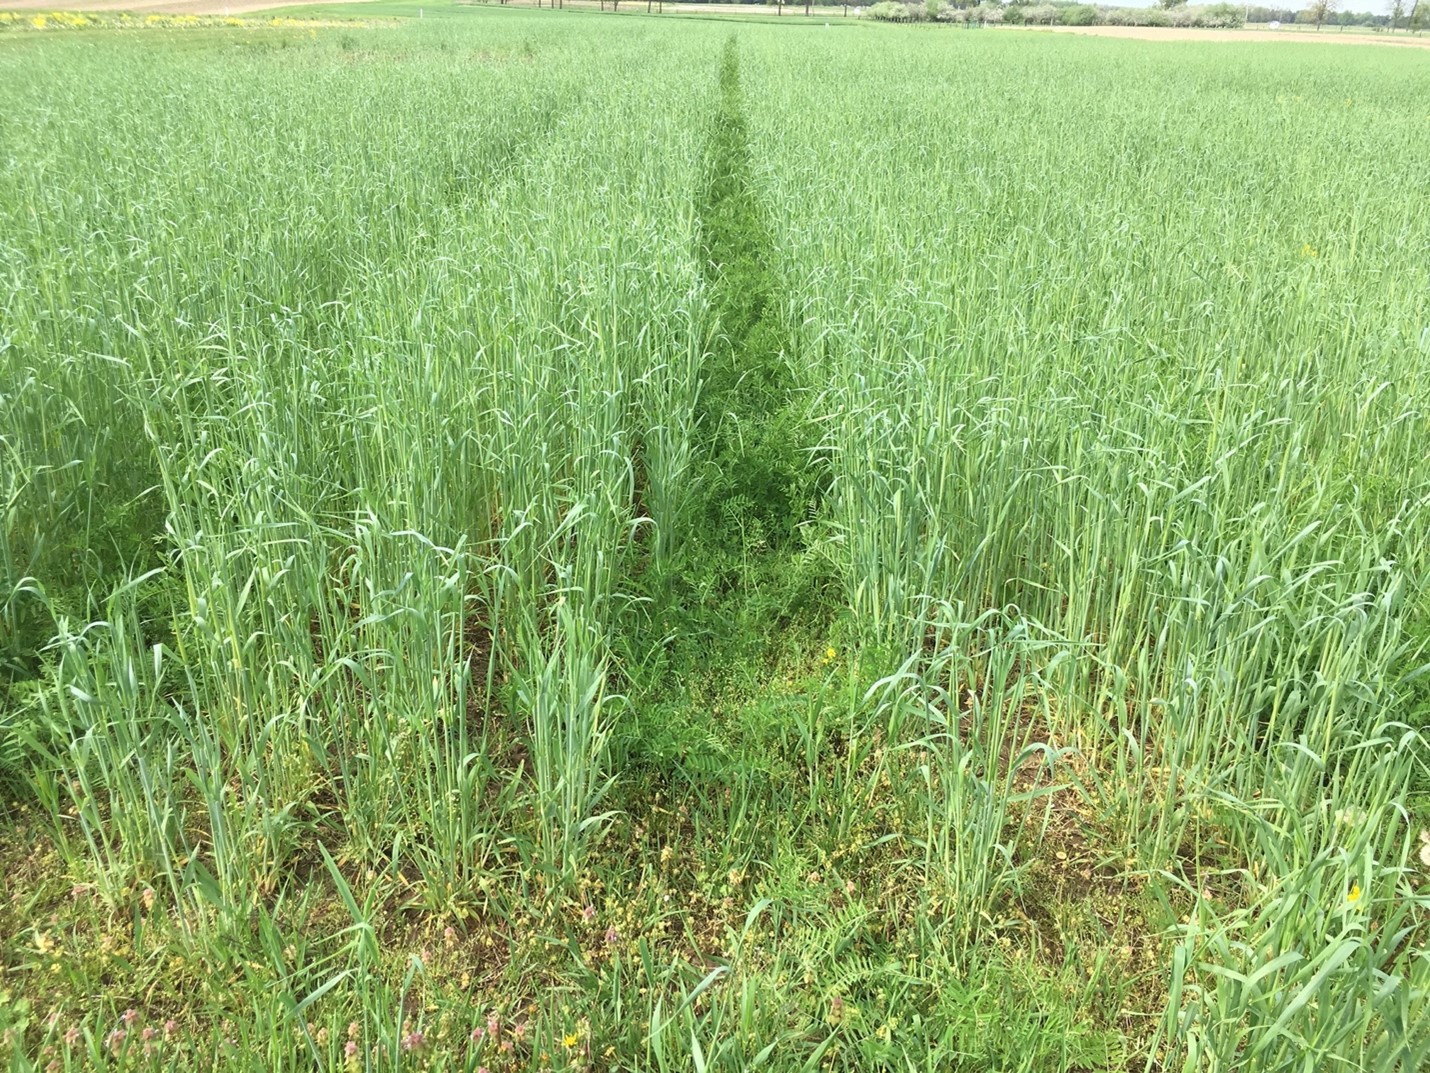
{"x": 1300, "y": 36}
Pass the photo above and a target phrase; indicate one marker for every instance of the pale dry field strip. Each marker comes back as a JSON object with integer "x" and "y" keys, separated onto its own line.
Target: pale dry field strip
{"x": 1138, "y": 33}
{"x": 1172, "y": 33}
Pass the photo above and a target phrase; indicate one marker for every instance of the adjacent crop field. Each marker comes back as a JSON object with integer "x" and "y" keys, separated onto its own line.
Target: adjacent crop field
{"x": 534, "y": 541}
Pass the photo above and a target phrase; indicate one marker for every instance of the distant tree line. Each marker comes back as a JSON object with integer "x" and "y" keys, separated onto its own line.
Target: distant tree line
{"x": 989, "y": 12}
{"x": 1406, "y": 15}
{"x": 1403, "y": 15}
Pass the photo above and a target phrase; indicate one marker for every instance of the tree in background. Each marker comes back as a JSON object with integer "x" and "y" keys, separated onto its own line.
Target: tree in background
{"x": 1169, "y": 4}
{"x": 1318, "y": 11}
{"x": 1397, "y": 12}
{"x": 1270, "y": 14}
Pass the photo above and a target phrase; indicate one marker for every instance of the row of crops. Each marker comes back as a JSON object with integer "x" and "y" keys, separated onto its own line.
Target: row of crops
{"x": 538, "y": 541}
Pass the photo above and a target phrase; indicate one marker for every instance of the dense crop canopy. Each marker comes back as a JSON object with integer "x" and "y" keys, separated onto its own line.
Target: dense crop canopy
{"x": 848, "y": 546}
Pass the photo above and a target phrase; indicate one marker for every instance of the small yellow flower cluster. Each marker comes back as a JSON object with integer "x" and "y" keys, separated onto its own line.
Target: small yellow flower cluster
{"x": 1309, "y": 251}
{"x": 173, "y": 21}
{"x": 48, "y": 20}
{"x": 79, "y": 20}
{"x": 76, "y": 20}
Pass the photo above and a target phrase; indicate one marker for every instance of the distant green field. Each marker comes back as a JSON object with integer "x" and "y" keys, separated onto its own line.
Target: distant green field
{"x": 538, "y": 541}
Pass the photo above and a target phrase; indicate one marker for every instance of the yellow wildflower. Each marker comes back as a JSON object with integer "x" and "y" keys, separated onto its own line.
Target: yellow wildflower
{"x": 1354, "y": 894}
